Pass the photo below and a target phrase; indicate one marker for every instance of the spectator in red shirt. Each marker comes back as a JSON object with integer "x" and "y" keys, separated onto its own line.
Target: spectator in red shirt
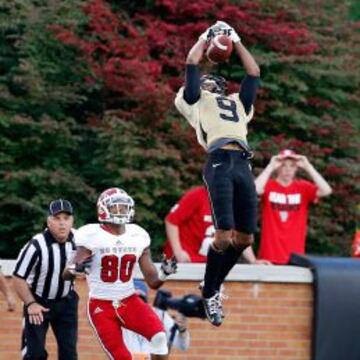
{"x": 285, "y": 201}
{"x": 189, "y": 227}
{"x": 190, "y": 230}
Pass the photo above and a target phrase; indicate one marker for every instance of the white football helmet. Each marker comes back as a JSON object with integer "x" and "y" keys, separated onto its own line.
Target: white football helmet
{"x": 115, "y": 206}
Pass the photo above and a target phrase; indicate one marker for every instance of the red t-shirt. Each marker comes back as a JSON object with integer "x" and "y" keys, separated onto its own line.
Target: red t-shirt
{"x": 284, "y": 219}
{"x": 192, "y": 214}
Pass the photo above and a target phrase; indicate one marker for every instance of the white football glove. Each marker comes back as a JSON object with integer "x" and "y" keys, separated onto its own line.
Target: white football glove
{"x": 168, "y": 267}
{"x": 206, "y": 35}
{"x": 219, "y": 28}
{"x": 222, "y": 28}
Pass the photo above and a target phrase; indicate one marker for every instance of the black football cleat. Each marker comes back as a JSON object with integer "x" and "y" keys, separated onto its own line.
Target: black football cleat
{"x": 213, "y": 309}
{"x": 221, "y": 296}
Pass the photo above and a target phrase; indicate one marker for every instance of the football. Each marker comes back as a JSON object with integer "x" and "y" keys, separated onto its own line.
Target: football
{"x": 220, "y": 49}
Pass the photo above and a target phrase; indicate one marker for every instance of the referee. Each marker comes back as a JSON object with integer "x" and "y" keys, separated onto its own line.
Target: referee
{"x": 48, "y": 299}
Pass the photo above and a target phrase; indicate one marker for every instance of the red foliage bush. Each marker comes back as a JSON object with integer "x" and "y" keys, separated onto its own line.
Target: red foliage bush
{"x": 139, "y": 60}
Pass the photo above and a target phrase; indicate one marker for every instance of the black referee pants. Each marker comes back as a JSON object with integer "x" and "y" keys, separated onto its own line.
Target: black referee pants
{"x": 63, "y": 318}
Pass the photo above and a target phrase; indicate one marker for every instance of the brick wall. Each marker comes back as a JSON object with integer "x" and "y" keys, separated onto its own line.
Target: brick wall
{"x": 264, "y": 321}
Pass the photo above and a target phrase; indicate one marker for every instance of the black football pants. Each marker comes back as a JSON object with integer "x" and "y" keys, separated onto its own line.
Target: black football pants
{"x": 231, "y": 188}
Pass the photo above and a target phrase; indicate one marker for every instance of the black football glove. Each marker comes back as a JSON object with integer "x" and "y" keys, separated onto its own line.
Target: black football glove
{"x": 81, "y": 268}
{"x": 168, "y": 267}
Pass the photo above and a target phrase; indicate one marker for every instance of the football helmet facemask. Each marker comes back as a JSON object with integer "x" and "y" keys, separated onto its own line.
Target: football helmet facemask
{"x": 218, "y": 83}
{"x": 115, "y": 206}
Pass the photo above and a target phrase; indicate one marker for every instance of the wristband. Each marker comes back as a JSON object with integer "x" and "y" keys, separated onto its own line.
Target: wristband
{"x": 182, "y": 330}
{"x": 29, "y": 303}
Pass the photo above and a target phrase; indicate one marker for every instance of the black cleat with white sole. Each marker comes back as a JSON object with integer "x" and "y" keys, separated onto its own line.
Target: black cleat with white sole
{"x": 221, "y": 296}
{"x": 213, "y": 309}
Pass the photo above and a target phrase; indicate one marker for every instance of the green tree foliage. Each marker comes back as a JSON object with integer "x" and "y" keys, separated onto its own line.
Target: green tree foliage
{"x": 41, "y": 85}
{"x": 136, "y": 158}
{"x": 86, "y": 93}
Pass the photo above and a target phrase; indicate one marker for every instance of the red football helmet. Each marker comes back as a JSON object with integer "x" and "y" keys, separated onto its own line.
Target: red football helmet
{"x": 115, "y": 206}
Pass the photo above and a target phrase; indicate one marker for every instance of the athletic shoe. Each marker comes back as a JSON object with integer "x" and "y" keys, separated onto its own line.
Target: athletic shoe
{"x": 222, "y": 296}
{"x": 212, "y": 309}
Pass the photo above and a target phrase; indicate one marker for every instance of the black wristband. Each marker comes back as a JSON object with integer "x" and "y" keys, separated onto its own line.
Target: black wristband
{"x": 29, "y": 303}
{"x": 181, "y": 331}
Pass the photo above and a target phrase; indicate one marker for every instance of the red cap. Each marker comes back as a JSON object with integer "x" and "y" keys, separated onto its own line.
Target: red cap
{"x": 287, "y": 153}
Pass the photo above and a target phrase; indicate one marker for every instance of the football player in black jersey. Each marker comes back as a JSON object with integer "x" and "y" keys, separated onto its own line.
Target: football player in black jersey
{"x": 220, "y": 121}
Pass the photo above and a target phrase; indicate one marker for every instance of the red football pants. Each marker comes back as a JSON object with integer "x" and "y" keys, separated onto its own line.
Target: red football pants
{"x": 132, "y": 313}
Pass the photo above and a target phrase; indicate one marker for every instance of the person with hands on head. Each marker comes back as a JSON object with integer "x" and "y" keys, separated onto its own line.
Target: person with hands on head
{"x": 285, "y": 203}
{"x": 189, "y": 227}
{"x": 220, "y": 121}
{"x": 107, "y": 252}
{"x": 48, "y": 299}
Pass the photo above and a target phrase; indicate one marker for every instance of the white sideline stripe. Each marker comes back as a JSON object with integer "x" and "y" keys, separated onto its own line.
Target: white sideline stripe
{"x": 96, "y": 333}
{"x": 219, "y": 44}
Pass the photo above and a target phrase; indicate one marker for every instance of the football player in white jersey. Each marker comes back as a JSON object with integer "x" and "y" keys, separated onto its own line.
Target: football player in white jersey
{"x": 108, "y": 252}
{"x": 220, "y": 121}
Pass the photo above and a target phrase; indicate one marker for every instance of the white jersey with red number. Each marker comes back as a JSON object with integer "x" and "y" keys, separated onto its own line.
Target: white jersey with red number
{"x": 114, "y": 257}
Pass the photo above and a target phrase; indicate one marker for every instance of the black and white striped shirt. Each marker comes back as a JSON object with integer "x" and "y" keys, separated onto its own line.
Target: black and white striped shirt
{"x": 41, "y": 263}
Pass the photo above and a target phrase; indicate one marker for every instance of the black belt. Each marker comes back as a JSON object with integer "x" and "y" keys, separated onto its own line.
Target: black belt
{"x": 244, "y": 154}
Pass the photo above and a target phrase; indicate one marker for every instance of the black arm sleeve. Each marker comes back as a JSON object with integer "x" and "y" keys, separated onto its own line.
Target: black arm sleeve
{"x": 192, "y": 84}
{"x": 248, "y": 91}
